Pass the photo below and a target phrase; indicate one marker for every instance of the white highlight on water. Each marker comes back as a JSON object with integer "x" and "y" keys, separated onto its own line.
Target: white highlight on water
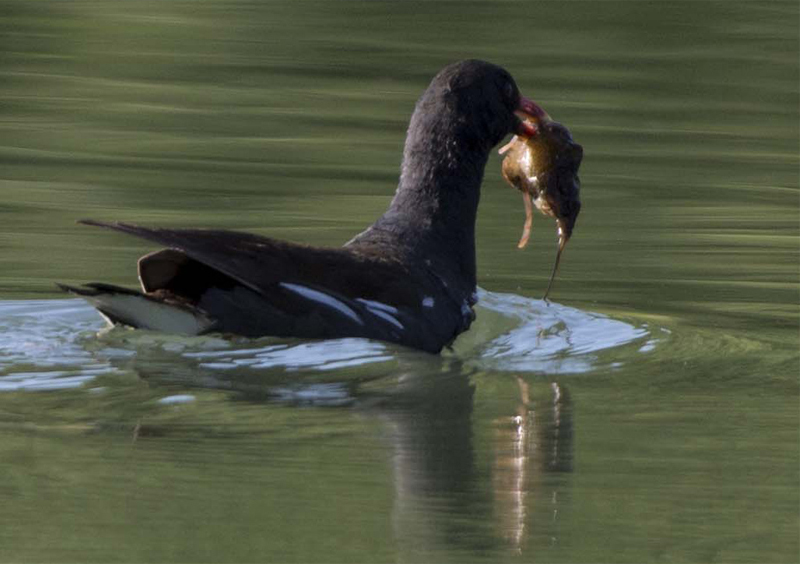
{"x": 177, "y": 398}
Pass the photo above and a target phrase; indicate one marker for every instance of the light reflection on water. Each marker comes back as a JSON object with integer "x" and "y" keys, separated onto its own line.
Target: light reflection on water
{"x": 41, "y": 346}
{"x": 63, "y": 343}
{"x": 551, "y": 338}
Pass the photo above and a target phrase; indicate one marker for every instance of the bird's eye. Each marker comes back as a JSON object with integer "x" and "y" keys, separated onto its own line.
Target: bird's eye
{"x": 508, "y": 91}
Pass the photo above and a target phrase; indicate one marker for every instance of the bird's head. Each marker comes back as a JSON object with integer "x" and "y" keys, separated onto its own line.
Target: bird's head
{"x": 481, "y": 102}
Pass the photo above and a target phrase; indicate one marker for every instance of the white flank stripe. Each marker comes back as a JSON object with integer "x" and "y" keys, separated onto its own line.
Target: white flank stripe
{"x": 388, "y": 317}
{"x": 428, "y": 302}
{"x": 323, "y": 299}
{"x": 372, "y": 304}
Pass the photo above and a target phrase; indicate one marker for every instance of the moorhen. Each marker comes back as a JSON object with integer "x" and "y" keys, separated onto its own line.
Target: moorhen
{"x": 409, "y": 278}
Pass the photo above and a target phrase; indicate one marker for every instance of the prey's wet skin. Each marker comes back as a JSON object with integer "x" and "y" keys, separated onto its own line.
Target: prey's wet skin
{"x": 544, "y": 167}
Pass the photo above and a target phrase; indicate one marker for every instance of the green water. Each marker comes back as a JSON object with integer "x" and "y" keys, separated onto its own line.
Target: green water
{"x": 287, "y": 119}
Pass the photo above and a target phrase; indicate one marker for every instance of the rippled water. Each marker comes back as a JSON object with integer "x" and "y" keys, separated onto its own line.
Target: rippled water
{"x": 54, "y": 344}
{"x": 649, "y": 414}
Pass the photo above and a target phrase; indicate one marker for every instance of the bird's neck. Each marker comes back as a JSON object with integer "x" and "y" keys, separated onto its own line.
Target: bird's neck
{"x": 434, "y": 209}
{"x": 439, "y": 187}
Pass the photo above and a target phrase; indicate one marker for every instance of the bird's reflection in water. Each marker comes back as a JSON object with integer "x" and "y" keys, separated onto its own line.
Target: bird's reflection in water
{"x": 469, "y": 475}
{"x": 460, "y": 487}
{"x": 534, "y": 441}
{"x": 429, "y": 429}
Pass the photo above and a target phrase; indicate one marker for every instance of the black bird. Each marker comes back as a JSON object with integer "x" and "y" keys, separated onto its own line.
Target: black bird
{"x": 409, "y": 278}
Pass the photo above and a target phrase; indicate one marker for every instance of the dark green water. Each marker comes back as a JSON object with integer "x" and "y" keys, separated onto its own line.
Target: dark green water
{"x": 651, "y": 414}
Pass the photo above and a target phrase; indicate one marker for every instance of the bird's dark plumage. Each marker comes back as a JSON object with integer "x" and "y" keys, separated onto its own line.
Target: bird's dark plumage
{"x": 410, "y": 278}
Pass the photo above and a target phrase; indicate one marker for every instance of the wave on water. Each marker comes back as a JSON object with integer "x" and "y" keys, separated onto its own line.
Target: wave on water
{"x": 41, "y": 348}
{"x": 56, "y": 344}
{"x": 547, "y": 337}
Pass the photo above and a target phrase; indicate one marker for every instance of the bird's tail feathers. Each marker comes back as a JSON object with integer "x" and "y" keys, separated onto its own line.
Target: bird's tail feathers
{"x": 145, "y": 311}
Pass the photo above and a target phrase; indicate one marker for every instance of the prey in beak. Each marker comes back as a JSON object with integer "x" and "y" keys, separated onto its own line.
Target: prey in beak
{"x": 530, "y": 114}
{"x": 542, "y": 162}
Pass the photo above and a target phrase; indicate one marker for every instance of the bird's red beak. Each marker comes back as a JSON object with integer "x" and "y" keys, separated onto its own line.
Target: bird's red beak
{"x": 531, "y": 114}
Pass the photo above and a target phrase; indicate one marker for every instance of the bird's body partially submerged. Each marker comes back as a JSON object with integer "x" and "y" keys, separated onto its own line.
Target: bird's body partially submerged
{"x": 410, "y": 278}
{"x": 230, "y": 282}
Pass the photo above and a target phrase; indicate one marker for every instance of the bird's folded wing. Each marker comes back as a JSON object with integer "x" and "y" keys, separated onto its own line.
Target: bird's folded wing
{"x": 260, "y": 263}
